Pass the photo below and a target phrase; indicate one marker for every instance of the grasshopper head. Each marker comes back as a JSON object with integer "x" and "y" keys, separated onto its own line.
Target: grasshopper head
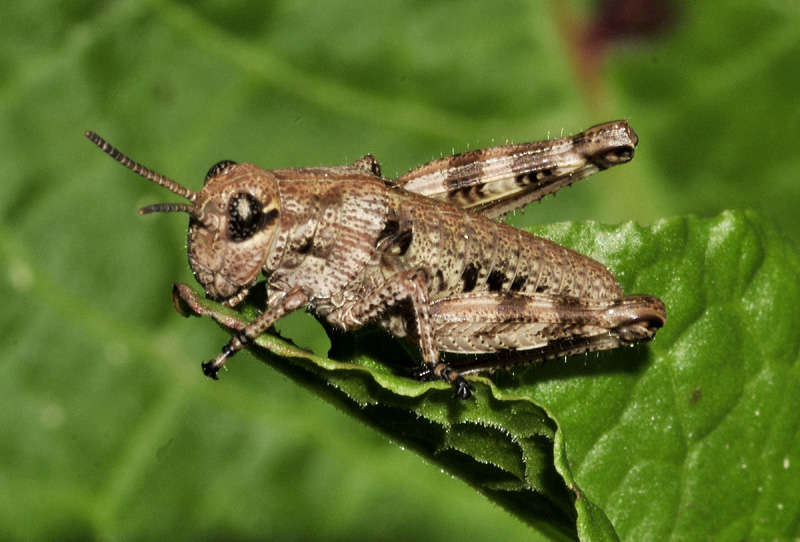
{"x": 232, "y": 221}
{"x": 240, "y": 207}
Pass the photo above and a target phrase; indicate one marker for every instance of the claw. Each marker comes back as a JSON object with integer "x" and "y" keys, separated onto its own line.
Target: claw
{"x": 210, "y": 370}
{"x": 463, "y": 388}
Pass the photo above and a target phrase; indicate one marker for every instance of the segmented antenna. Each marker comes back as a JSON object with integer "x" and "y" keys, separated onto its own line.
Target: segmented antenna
{"x": 167, "y": 208}
{"x": 157, "y": 178}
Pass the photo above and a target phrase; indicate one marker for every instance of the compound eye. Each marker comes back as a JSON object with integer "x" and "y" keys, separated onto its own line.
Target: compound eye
{"x": 245, "y": 217}
{"x": 218, "y": 168}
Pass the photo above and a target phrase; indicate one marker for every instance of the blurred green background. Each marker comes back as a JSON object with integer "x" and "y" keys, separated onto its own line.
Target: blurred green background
{"x": 109, "y": 431}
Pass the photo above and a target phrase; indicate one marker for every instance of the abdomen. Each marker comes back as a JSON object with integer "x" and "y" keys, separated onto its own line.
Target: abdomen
{"x": 464, "y": 253}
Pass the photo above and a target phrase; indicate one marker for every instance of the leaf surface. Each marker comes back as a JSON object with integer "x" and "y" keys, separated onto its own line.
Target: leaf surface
{"x": 644, "y": 414}
{"x": 111, "y": 432}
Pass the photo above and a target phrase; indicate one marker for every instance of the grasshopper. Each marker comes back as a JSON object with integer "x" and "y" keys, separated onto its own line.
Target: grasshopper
{"x": 421, "y": 256}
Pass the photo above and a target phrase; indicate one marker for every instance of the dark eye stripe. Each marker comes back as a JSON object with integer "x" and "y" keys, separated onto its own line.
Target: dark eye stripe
{"x": 269, "y": 218}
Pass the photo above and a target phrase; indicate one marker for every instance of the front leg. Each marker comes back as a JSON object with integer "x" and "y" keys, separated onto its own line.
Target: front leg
{"x": 293, "y": 300}
{"x": 406, "y": 286}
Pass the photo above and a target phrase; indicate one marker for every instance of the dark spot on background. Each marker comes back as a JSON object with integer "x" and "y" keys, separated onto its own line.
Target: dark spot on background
{"x": 615, "y": 22}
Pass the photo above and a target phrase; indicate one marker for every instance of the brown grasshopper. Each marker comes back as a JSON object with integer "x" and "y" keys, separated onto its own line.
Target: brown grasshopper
{"x": 420, "y": 255}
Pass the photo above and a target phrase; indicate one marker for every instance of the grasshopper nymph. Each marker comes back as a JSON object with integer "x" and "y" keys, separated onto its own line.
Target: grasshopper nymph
{"x": 420, "y": 255}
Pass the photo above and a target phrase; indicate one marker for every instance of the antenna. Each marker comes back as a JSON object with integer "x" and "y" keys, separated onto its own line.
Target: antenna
{"x": 157, "y": 178}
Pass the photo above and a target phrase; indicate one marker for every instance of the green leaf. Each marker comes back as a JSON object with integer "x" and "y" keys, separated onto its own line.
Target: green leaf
{"x": 502, "y": 444}
{"x": 677, "y": 405}
{"x": 697, "y": 441}
{"x": 111, "y": 432}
